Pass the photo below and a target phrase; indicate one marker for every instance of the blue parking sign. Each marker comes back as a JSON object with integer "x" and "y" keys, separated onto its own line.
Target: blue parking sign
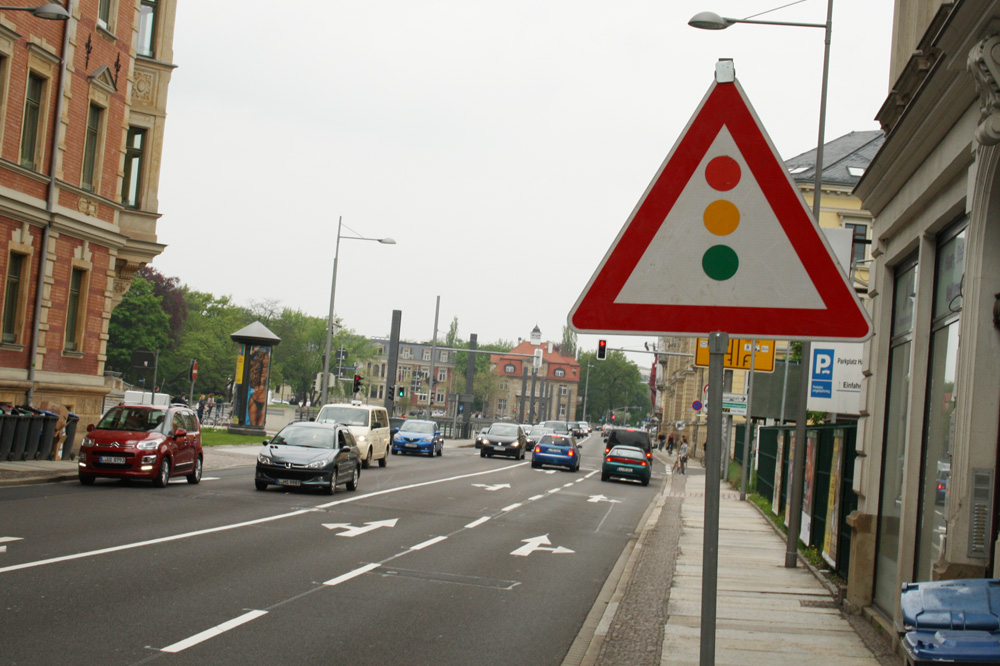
{"x": 821, "y": 385}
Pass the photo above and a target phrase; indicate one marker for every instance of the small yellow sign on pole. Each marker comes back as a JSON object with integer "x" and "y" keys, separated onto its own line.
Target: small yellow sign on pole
{"x": 738, "y": 356}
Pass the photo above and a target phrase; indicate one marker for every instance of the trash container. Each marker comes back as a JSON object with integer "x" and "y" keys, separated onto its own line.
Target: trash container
{"x": 67, "y": 447}
{"x": 951, "y": 621}
{"x": 21, "y": 427}
{"x": 8, "y": 422}
{"x": 35, "y": 421}
{"x": 47, "y": 435}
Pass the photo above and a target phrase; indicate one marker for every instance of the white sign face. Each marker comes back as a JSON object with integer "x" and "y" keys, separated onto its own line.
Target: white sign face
{"x": 734, "y": 404}
{"x": 835, "y": 377}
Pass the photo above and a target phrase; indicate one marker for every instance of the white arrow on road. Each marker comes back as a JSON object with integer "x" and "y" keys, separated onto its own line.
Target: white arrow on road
{"x": 602, "y": 498}
{"x": 538, "y": 543}
{"x": 496, "y": 486}
{"x": 3, "y": 549}
{"x": 352, "y": 531}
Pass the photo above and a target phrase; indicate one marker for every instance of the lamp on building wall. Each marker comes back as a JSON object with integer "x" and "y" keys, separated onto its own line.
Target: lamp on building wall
{"x": 49, "y": 10}
{"x": 333, "y": 292}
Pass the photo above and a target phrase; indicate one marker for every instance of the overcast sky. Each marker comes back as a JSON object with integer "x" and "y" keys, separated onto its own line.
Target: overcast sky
{"x": 501, "y": 144}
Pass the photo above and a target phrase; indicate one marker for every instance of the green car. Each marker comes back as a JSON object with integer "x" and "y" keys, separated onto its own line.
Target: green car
{"x": 626, "y": 462}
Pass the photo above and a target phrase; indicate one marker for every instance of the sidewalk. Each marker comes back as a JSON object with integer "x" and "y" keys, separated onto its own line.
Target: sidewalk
{"x": 766, "y": 614}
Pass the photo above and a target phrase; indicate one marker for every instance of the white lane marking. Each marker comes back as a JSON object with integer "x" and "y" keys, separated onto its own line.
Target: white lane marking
{"x": 204, "y": 478}
{"x": 538, "y": 543}
{"x": 258, "y": 521}
{"x": 214, "y": 631}
{"x": 352, "y": 574}
{"x": 511, "y": 507}
{"x": 477, "y": 522}
{"x": 536, "y": 497}
{"x": 568, "y": 485}
{"x": 554, "y": 490}
{"x": 602, "y": 498}
{"x": 429, "y": 542}
{"x": 6, "y": 539}
{"x": 493, "y": 488}
{"x": 352, "y": 531}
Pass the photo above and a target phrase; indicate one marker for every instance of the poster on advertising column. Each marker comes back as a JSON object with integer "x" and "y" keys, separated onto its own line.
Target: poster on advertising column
{"x": 835, "y": 377}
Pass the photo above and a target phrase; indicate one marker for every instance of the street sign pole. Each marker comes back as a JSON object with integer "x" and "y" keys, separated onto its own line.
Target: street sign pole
{"x": 798, "y": 466}
{"x": 718, "y": 343}
{"x": 748, "y": 422}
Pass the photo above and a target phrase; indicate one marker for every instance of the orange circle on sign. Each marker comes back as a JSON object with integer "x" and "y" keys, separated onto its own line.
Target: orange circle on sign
{"x": 722, "y": 173}
{"x": 722, "y": 217}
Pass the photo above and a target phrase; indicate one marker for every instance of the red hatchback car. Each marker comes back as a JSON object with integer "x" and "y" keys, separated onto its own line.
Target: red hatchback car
{"x": 143, "y": 442}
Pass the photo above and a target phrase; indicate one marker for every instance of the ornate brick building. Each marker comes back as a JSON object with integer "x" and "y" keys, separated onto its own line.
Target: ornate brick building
{"x": 83, "y": 104}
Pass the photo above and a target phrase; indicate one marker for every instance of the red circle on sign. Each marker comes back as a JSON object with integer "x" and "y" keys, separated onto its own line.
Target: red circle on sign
{"x": 696, "y": 405}
{"x": 722, "y": 173}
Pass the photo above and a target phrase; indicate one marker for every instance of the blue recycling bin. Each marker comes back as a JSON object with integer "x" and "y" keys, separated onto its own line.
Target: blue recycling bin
{"x": 951, "y": 621}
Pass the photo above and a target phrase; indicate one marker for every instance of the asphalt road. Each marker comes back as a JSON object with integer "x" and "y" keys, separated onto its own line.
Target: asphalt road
{"x": 447, "y": 560}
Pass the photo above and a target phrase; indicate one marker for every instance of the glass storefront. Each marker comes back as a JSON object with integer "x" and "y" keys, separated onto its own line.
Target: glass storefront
{"x": 939, "y": 415}
{"x": 894, "y": 440}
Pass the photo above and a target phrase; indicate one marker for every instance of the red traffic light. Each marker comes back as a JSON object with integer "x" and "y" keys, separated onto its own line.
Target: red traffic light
{"x": 602, "y": 350}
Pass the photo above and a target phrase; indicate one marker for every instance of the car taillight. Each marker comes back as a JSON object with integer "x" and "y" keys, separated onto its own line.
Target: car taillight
{"x": 538, "y": 449}
{"x": 572, "y": 453}
{"x": 649, "y": 454}
{"x": 607, "y": 450}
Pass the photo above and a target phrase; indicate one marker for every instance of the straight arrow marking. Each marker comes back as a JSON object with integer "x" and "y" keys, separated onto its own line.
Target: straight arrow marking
{"x": 538, "y": 543}
{"x": 352, "y": 531}
{"x": 494, "y": 487}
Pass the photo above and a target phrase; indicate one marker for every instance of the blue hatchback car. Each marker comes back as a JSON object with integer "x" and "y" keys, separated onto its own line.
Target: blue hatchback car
{"x": 555, "y": 449}
{"x": 417, "y": 436}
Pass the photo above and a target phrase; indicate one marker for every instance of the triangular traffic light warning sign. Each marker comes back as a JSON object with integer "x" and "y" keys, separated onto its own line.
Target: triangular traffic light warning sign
{"x": 722, "y": 241}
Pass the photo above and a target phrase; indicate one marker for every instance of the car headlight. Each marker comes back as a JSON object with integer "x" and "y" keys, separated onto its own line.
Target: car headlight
{"x": 264, "y": 459}
{"x": 147, "y": 444}
{"x": 86, "y": 442}
{"x": 361, "y": 438}
{"x": 318, "y": 464}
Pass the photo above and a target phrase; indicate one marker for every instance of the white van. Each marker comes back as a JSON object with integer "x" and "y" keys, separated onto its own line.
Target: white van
{"x": 369, "y": 425}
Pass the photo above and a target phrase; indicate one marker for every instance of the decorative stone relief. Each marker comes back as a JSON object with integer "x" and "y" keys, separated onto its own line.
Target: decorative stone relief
{"x": 87, "y": 206}
{"x": 984, "y": 63}
{"x": 124, "y": 272}
{"x": 142, "y": 88}
{"x": 83, "y": 252}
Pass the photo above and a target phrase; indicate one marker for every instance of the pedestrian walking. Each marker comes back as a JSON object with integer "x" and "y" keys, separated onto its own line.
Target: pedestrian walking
{"x": 682, "y": 455}
{"x": 201, "y": 407}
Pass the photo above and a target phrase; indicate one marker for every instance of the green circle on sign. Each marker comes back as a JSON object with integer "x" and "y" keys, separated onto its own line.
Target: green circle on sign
{"x": 720, "y": 262}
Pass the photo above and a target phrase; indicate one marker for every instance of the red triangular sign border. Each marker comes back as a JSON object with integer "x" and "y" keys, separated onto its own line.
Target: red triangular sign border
{"x": 725, "y": 104}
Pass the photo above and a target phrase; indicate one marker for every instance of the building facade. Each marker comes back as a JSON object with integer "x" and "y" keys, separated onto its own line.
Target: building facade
{"x": 928, "y": 438}
{"x": 413, "y": 388}
{"x": 83, "y": 105}
{"x": 529, "y": 391}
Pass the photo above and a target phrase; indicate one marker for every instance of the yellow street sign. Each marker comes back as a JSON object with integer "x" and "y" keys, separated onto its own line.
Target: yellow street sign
{"x": 738, "y": 355}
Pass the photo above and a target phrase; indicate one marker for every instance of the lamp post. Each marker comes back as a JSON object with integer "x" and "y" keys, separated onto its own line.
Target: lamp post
{"x": 49, "y": 10}
{"x": 333, "y": 293}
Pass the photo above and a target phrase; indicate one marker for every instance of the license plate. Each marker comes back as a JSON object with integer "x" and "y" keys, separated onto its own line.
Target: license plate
{"x": 624, "y": 469}
{"x": 555, "y": 451}
{"x": 411, "y": 446}
{"x": 289, "y": 482}
{"x": 112, "y": 460}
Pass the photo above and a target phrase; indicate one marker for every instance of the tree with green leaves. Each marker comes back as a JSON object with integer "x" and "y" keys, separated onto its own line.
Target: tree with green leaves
{"x": 615, "y": 383}
{"x": 138, "y": 323}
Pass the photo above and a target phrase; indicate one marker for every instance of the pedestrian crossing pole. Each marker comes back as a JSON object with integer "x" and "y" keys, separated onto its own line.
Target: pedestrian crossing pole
{"x": 718, "y": 345}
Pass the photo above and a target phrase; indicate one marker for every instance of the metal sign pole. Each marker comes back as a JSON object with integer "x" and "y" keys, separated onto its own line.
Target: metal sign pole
{"x": 718, "y": 343}
{"x": 798, "y": 464}
{"x": 748, "y": 424}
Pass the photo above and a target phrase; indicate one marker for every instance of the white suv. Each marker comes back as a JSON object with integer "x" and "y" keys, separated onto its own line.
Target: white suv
{"x": 369, "y": 425}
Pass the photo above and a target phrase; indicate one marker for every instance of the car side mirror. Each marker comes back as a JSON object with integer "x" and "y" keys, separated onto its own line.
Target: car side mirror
{"x": 395, "y": 430}
{"x": 90, "y": 427}
{"x": 437, "y": 432}
{"x": 180, "y": 432}
{"x": 345, "y": 448}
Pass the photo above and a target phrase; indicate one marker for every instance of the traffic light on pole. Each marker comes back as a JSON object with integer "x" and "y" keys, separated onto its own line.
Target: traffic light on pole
{"x": 357, "y": 383}
{"x": 401, "y": 391}
{"x": 602, "y": 350}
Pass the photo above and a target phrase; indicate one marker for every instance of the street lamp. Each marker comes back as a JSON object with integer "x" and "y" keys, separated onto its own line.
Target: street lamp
{"x": 333, "y": 293}
{"x": 49, "y": 10}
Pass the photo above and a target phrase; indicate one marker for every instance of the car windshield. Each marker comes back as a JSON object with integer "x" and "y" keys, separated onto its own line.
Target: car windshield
{"x": 131, "y": 418}
{"x": 503, "y": 430}
{"x": 632, "y": 437}
{"x": 556, "y": 440}
{"x": 627, "y": 452}
{"x": 312, "y": 438}
{"x": 347, "y": 415}
{"x": 557, "y": 426}
{"x": 418, "y": 426}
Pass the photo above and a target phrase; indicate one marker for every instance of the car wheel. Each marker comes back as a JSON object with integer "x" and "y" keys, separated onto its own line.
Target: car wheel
{"x": 260, "y": 485}
{"x": 395, "y": 452}
{"x": 367, "y": 462}
{"x": 384, "y": 460}
{"x": 332, "y": 488}
{"x": 604, "y": 476}
{"x": 535, "y": 465}
{"x": 163, "y": 478}
{"x": 489, "y": 454}
{"x": 355, "y": 479}
{"x": 441, "y": 450}
{"x": 87, "y": 479}
{"x": 645, "y": 482}
{"x": 195, "y": 476}
{"x": 482, "y": 454}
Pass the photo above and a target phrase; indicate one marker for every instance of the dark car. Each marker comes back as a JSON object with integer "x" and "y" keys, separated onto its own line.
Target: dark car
{"x": 556, "y": 450}
{"x": 629, "y": 437}
{"x": 559, "y": 427}
{"x": 143, "y": 442}
{"x": 536, "y": 433}
{"x": 310, "y": 455}
{"x": 504, "y": 439}
{"x": 418, "y": 436}
{"x": 626, "y": 462}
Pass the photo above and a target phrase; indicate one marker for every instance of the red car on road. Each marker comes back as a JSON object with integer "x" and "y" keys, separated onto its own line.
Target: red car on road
{"x": 154, "y": 442}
